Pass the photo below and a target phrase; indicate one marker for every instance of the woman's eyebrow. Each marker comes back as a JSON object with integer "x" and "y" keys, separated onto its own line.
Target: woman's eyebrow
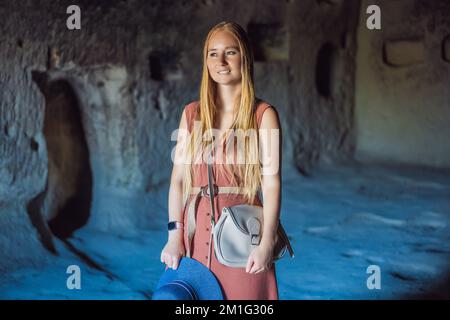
{"x": 232, "y": 47}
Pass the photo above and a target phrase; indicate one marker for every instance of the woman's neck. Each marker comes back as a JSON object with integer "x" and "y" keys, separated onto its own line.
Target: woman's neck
{"x": 227, "y": 96}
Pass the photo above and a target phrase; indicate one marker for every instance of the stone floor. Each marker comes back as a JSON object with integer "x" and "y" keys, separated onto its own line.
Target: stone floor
{"x": 341, "y": 220}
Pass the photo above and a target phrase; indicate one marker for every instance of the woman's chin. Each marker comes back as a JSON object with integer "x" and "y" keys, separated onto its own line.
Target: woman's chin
{"x": 227, "y": 82}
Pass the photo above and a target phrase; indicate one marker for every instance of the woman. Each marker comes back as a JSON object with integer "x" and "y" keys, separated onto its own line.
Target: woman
{"x": 227, "y": 101}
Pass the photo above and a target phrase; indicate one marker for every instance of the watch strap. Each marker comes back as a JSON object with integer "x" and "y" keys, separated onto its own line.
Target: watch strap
{"x": 172, "y": 225}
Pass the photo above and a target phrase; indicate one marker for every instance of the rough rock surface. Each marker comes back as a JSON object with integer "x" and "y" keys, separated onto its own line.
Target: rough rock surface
{"x": 131, "y": 68}
{"x": 123, "y": 80}
{"x": 401, "y": 89}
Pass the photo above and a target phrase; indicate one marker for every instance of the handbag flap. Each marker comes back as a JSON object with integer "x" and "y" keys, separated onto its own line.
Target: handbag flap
{"x": 243, "y": 216}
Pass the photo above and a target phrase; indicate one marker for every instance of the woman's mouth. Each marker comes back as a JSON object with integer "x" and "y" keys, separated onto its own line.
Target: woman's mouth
{"x": 224, "y": 71}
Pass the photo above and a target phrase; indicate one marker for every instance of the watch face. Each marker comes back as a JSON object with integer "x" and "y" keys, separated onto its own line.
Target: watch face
{"x": 175, "y": 225}
{"x": 171, "y": 225}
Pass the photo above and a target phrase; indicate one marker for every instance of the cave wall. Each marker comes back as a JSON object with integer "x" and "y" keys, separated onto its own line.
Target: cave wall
{"x": 402, "y": 95}
{"x": 321, "y": 81}
{"x": 133, "y": 66}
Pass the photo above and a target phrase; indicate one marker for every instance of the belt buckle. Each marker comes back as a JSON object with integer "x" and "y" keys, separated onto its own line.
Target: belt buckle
{"x": 205, "y": 190}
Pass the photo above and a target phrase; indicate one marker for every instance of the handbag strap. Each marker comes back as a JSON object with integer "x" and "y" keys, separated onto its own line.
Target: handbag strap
{"x": 211, "y": 193}
{"x": 211, "y": 202}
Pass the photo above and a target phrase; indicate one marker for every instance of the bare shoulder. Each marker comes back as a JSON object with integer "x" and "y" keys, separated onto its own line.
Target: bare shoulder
{"x": 269, "y": 117}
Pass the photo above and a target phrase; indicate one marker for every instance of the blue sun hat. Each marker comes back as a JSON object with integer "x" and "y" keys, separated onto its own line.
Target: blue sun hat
{"x": 190, "y": 281}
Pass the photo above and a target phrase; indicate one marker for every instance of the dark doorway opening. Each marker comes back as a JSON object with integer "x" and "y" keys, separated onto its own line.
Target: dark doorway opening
{"x": 68, "y": 195}
{"x": 325, "y": 69}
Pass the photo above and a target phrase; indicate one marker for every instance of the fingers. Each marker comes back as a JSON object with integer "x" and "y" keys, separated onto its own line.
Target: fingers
{"x": 249, "y": 265}
{"x": 170, "y": 261}
{"x": 165, "y": 258}
{"x": 176, "y": 261}
{"x": 255, "y": 268}
{"x": 260, "y": 270}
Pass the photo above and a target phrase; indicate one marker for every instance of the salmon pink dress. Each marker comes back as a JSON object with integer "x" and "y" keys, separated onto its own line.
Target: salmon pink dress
{"x": 235, "y": 282}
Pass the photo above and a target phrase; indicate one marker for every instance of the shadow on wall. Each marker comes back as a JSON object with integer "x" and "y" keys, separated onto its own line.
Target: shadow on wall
{"x": 64, "y": 205}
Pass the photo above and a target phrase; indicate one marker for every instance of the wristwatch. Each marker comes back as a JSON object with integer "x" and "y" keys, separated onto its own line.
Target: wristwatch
{"x": 172, "y": 225}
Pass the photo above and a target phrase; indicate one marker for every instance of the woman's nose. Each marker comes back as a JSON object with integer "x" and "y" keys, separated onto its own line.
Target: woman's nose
{"x": 222, "y": 59}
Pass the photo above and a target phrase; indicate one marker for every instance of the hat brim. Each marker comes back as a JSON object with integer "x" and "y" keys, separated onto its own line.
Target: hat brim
{"x": 197, "y": 275}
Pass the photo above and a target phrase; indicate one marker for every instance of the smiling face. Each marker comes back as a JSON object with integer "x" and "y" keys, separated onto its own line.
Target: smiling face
{"x": 224, "y": 59}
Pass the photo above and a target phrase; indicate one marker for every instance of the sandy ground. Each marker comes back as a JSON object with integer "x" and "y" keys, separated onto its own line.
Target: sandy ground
{"x": 341, "y": 220}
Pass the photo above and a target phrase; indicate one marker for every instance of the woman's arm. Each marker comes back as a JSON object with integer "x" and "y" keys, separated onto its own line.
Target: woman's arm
{"x": 174, "y": 248}
{"x": 270, "y": 144}
{"x": 176, "y": 181}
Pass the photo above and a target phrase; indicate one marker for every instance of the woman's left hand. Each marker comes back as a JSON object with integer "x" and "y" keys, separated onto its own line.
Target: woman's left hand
{"x": 260, "y": 259}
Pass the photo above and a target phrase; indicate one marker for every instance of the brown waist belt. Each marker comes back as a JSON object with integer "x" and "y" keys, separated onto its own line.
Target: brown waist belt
{"x": 203, "y": 192}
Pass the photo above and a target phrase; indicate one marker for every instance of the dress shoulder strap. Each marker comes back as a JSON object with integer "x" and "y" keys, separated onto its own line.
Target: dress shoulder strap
{"x": 191, "y": 112}
{"x": 260, "y": 108}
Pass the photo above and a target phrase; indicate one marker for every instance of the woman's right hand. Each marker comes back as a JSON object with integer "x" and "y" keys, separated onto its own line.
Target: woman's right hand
{"x": 172, "y": 252}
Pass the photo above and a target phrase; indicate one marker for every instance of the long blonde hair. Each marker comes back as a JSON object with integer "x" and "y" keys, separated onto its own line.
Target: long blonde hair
{"x": 248, "y": 175}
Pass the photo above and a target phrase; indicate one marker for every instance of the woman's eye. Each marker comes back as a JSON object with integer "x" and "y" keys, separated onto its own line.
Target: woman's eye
{"x": 213, "y": 54}
{"x": 231, "y": 52}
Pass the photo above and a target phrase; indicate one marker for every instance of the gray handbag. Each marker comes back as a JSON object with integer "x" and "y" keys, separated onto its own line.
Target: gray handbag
{"x": 238, "y": 232}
